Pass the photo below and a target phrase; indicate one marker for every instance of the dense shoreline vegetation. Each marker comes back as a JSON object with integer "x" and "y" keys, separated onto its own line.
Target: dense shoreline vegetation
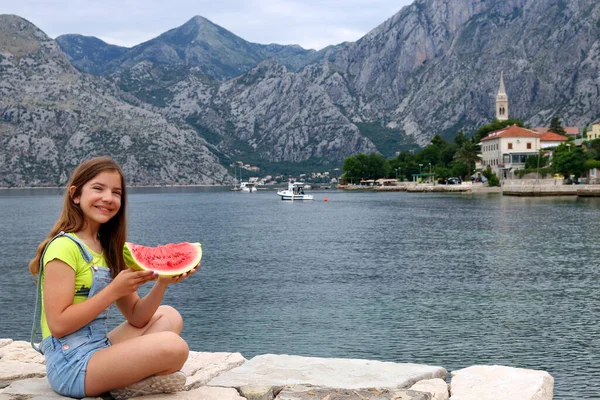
{"x": 442, "y": 159}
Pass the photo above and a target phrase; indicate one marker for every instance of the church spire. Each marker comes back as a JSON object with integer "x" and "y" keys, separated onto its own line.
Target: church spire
{"x": 501, "y": 101}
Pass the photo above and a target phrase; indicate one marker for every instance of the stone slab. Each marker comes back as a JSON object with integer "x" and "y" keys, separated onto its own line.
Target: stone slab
{"x": 258, "y": 392}
{"x": 315, "y": 393}
{"x": 11, "y": 370}
{"x": 202, "y": 367}
{"x": 438, "y": 388}
{"x": 202, "y": 393}
{"x": 494, "y": 382}
{"x": 21, "y": 351}
{"x": 287, "y": 370}
{"x": 32, "y": 388}
{"x": 4, "y": 342}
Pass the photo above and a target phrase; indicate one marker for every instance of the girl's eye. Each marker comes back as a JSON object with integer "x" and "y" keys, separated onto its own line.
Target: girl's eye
{"x": 97, "y": 188}
{"x": 117, "y": 193}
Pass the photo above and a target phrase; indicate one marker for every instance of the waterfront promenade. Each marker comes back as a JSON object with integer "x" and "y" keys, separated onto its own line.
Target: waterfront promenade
{"x": 230, "y": 376}
{"x": 515, "y": 187}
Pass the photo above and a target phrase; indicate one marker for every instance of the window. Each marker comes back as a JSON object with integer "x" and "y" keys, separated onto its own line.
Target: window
{"x": 529, "y": 145}
{"x": 510, "y": 146}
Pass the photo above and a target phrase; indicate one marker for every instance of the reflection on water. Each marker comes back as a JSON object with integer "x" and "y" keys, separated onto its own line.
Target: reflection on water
{"x": 450, "y": 280}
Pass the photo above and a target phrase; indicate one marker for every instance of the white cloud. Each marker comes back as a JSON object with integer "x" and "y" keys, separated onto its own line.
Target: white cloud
{"x": 309, "y": 23}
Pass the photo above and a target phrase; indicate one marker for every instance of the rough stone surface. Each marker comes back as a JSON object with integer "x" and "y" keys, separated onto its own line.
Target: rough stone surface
{"x": 319, "y": 393}
{"x": 494, "y": 382}
{"x": 20, "y": 351}
{"x": 438, "y": 388}
{"x": 259, "y": 392}
{"x": 33, "y": 388}
{"x": 11, "y": 370}
{"x": 202, "y": 393}
{"x": 202, "y": 367}
{"x": 340, "y": 373}
{"x": 4, "y": 342}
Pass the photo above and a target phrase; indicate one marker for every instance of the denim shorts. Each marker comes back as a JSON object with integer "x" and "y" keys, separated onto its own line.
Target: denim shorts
{"x": 67, "y": 359}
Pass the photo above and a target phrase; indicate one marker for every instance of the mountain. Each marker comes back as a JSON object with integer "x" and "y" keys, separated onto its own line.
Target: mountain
{"x": 435, "y": 65}
{"x": 269, "y": 115}
{"x": 197, "y": 43}
{"x": 52, "y": 117}
{"x": 87, "y": 53}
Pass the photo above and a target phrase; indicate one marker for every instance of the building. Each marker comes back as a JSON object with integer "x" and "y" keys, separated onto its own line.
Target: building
{"x": 569, "y": 130}
{"x": 551, "y": 139}
{"x": 595, "y": 133}
{"x": 501, "y": 101}
{"x": 507, "y": 149}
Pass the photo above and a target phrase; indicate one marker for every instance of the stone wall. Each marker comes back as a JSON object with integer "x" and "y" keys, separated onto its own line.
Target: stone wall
{"x": 229, "y": 376}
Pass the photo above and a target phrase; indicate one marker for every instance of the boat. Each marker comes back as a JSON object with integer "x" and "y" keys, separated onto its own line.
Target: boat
{"x": 295, "y": 191}
{"x": 248, "y": 187}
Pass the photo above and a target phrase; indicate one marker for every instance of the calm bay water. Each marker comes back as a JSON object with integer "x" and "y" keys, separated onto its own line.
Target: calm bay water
{"x": 450, "y": 280}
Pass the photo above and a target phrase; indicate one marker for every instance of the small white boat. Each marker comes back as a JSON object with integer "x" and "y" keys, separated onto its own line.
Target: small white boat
{"x": 248, "y": 187}
{"x": 295, "y": 191}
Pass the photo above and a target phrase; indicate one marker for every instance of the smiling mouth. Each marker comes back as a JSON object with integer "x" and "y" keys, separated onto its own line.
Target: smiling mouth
{"x": 103, "y": 209}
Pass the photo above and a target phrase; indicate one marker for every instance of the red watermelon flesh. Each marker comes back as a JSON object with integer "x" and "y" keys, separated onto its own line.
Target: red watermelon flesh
{"x": 167, "y": 260}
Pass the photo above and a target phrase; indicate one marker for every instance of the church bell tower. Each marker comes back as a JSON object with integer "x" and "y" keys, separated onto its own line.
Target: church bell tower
{"x": 501, "y": 101}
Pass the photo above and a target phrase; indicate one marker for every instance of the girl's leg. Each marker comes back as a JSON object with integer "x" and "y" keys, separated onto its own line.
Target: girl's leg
{"x": 137, "y": 353}
{"x": 165, "y": 319}
{"x": 128, "y": 362}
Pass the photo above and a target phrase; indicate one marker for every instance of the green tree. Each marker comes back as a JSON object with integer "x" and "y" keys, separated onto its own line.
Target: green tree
{"x": 539, "y": 161}
{"x": 567, "y": 161}
{"x": 362, "y": 166}
{"x": 556, "y": 126}
{"x": 468, "y": 154}
{"x": 584, "y": 133}
{"x": 460, "y": 139}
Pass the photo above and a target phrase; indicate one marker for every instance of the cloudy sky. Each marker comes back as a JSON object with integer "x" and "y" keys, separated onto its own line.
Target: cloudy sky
{"x": 309, "y": 23}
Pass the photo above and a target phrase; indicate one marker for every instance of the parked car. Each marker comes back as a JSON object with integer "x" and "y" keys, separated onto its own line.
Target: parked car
{"x": 453, "y": 181}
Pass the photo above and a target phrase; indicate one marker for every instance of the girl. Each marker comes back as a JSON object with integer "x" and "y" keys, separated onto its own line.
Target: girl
{"x": 82, "y": 273}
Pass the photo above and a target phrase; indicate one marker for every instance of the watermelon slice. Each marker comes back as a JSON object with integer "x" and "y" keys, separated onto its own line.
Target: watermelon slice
{"x": 168, "y": 260}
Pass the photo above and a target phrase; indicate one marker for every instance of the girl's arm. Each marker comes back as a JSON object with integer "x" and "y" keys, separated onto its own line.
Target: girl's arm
{"x": 138, "y": 312}
{"x": 62, "y": 315}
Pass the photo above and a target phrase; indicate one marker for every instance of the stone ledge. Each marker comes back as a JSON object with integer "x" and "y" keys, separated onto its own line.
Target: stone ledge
{"x": 495, "y": 382}
{"x": 229, "y": 376}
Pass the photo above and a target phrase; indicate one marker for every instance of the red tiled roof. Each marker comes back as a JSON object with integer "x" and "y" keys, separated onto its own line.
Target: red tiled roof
{"x": 511, "y": 131}
{"x": 569, "y": 130}
{"x": 552, "y": 137}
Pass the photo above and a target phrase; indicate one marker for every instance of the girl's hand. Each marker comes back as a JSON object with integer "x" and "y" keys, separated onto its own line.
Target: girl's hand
{"x": 179, "y": 278}
{"x": 128, "y": 281}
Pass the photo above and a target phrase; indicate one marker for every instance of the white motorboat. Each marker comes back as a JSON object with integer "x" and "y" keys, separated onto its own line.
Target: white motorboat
{"x": 248, "y": 187}
{"x": 295, "y": 191}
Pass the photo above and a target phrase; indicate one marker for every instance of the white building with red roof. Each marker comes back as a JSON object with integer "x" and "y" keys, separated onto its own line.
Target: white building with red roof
{"x": 507, "y": 149}
{"x": 551, "y": 139}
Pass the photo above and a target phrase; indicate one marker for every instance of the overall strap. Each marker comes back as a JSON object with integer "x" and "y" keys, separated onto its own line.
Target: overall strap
{"x": 87, "y": 256}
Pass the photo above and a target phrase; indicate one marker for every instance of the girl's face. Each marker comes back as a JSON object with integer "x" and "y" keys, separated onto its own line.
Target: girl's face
{"x": 100, "y": 198}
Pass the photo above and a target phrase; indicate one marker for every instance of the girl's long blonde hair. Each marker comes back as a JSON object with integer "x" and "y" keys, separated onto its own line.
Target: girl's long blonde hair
{"x": 112, "y": 233}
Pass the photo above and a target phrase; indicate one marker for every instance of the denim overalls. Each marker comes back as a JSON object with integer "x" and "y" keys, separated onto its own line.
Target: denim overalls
{"x": 67, "y": 357}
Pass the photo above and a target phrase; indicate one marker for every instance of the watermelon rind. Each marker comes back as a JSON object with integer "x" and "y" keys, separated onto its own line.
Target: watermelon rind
{"x": 138, "y": 265}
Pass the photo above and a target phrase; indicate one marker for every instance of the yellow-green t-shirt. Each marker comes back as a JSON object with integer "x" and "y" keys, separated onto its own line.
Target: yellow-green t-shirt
{"x": 67, "y": 251}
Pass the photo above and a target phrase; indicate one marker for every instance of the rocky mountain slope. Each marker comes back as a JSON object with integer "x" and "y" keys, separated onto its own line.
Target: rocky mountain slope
{"x": 434, "y": 67}
{"x": 52, "y": 117}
